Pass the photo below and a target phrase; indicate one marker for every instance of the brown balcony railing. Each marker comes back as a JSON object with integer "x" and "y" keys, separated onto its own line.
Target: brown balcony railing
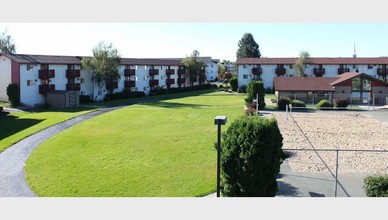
{"x": 280, "y": 71}
{"x": 46, "y": 74}
{"x": 170, "y": 72}
{"x": 180, "y": 81}
{"x": 318, "y": 72}
{"x": 343, "y": 70}
{"x": 73, "y": 87}
{"x": 129, "y": 72}
{"x": 382, "y": 71}
{"x": 111, "y": 86}
{"x": 43, "y": 89}
{"x": 154, "y": 82}
{"x": 153, "y": 72}
{"x": 181, "y": 71}
{"x": 256, "y": 71}
{"x": 170, "y": 81}
{"x": 73, "y": 73}
{"x": 129, "y": 84}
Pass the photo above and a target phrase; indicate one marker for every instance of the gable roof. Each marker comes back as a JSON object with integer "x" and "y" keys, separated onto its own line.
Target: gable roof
{"x": 348, "y": 76}
{"x": 151, "y": 61}
{"x": 315, "y": 60}
{"x": 304, "y": 84}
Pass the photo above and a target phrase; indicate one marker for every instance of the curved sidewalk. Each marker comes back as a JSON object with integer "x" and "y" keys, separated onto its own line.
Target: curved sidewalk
{"x": 12, "y": 160}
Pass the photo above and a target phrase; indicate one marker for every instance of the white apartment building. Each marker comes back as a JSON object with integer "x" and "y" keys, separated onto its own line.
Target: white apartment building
{"x": 265, "y": 69}
{"x": 38, "y": 75}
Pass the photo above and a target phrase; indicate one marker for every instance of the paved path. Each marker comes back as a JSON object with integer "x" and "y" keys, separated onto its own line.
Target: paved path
{"x": 12, "y": 160}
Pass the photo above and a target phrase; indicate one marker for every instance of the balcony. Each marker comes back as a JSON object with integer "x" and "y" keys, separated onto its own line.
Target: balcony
{"x": 46, "y": 74}
{"x": 280, "y": 71}
{"x": 72, "y": 73}
{"x": 154, "y": 82}
{"x": 181, "y": 71}
{"x": 170, "y": 72}
{"x": 112, "y": 86}
{"x": 43, "y": 89}
{"x": 382, "y": 72}
{"x": 129, "y": 84}
{"x": 343, "y": 70}
{"x": 129, "y": 72}
{"x": 73, "y": 87}
{"x": 153, "y": 72}
{"x": 180, "y": 81}
{"x": 319, "y": 72}
{"x": 170, "y": 81}
{"x": 256, "y": 71}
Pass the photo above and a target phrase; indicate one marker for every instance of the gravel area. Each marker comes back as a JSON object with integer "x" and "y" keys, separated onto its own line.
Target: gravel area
{"x": 334, "y": 130}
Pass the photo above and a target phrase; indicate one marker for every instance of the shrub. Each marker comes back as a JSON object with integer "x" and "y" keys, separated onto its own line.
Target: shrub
{"x": 253, "y": 88}
{"x": 341, "y": 103}
{"x": 234, "y": 84}
{"x": 251, "y": 157}
{"x": 273, "y": 100}
{"x": 283, "y": 102}
{"x": 221, "y": 86}
{"x": 84, "y": 99}
{"x": 269, "y": 90}
{"x": 324, "y": 105}
{"x": 13, "y": 94}
{"x": 376, "y": 186}
{"x": 242, "y": 89}
{"x": 42, "y": 106}
{"x": 1, "y": 109}
{"x": 298, "y": 103}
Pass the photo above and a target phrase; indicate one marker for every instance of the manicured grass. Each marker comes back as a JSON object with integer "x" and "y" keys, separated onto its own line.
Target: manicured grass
{"x": 270, "y": 96}
{"x": 4, "y": 104}
{"x": 154, "y": 149}
{"x": 18, "y": 125}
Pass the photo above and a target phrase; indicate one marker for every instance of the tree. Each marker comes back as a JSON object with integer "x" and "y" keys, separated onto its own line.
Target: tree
{"x": 255, "y": 88}
{"x": 104, "y": 64}
{"x": 13, "y": 94}
{"x": 301, "y": 62}
{"x": 251, "y": 155}
{"x": 247, "y": 47}
{"x": 6, "y": 43}
{"x": 194, "y": 65}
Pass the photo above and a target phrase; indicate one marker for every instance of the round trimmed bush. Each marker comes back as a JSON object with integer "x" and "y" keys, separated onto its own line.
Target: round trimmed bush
{"x": 283, "y": 102}
{"x": 376, "y": 186}
{"x": 298, "y": 104}
{"x": 324, "y": 105}
{"x": 341, "y": 103}
{"x": 251, "y": 155}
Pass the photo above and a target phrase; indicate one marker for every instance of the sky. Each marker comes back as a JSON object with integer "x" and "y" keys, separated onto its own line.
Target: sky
{"x": 218, "y": 39}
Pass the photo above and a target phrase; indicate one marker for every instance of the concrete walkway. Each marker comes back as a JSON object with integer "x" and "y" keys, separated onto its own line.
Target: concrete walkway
{"x": 12, "y": 160}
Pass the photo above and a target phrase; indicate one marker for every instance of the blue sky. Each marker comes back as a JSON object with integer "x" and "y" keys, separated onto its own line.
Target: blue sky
{"x": 219, "y": 40}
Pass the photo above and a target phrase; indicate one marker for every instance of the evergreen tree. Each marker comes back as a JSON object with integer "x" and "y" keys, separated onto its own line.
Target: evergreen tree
{"x": 247, "y": 47}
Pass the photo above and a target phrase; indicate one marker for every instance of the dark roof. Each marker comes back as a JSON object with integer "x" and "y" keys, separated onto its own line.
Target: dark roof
{"x": 151, "y": 61}
{"x": 43, "y": 59}
{"x": 316, "y": 60}
{"x": 304, "y": 84}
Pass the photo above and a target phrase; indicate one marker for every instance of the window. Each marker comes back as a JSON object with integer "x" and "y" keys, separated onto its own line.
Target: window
{"x": 370, "y": 66}
{"x": 44, "y": 66}
{"x": 291, "y": 66}
{"x": 127, "y": 67}
{"x": 99, "y": 92}
{"x": 30, "y": 67}
{"x": 354, "y": 66}
{"x": 82, "y": 80}
{"x": 245, "y": 76}
{"x": 366, "y": 84}
{"x": 356, "y": 84}
{"x": 244, "y": 66}
{"x": 71, "y": 67}
{"x": 30, "y": 82}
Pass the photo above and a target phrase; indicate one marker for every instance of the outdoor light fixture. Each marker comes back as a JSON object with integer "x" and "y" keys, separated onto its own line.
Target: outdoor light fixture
{"x": 219, "y": 120}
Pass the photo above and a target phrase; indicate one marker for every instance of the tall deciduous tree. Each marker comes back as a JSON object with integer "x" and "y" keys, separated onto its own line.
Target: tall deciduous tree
{"x": 6, "y": 43}
{"x": 247, "y": 47}
{"x": 104, "y": 64}
{"x": 194, "y": 65}
{"x": 301, "y": 62}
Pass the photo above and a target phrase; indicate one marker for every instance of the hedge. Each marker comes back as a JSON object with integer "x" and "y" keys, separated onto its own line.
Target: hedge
{"x": 324, "y": 105}
{"x": 283, "y": 102}
{"x": 251, "y": 156}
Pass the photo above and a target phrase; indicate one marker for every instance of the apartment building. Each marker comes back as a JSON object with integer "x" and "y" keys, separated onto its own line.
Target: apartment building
{"x": 38, "y": 75}
{"x": 266, "y": 69}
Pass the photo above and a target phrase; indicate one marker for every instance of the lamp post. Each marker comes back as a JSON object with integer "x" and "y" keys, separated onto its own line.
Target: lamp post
{"x": 219, "y": 120}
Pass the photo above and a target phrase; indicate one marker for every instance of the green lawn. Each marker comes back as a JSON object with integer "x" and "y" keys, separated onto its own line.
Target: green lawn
{"x": 4, "y": 104}
{"x": 155, "y": 149}
{"x": 18, "y": 125}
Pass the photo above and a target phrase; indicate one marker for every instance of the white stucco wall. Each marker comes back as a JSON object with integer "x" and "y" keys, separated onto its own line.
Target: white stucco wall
{"x": 5, "y": 76}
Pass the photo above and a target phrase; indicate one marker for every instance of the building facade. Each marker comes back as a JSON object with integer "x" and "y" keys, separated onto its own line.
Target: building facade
{"x": 266, "y": 69}
{"x": 38, "y": 75}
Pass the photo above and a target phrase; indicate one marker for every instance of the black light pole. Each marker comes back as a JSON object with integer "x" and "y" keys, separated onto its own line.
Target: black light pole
{"x": 219, "y": 120}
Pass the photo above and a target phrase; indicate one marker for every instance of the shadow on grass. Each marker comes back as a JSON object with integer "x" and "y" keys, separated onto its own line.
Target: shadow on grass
{"x": 162, "y": 104}
{"x": 68, "y": 110}
{"x": 10, "y": 125}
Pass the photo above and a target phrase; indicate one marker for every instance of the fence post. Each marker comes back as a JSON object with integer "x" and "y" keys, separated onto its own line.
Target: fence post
{"x": 374, "y": 98}
{"x": 336, "y": 175}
